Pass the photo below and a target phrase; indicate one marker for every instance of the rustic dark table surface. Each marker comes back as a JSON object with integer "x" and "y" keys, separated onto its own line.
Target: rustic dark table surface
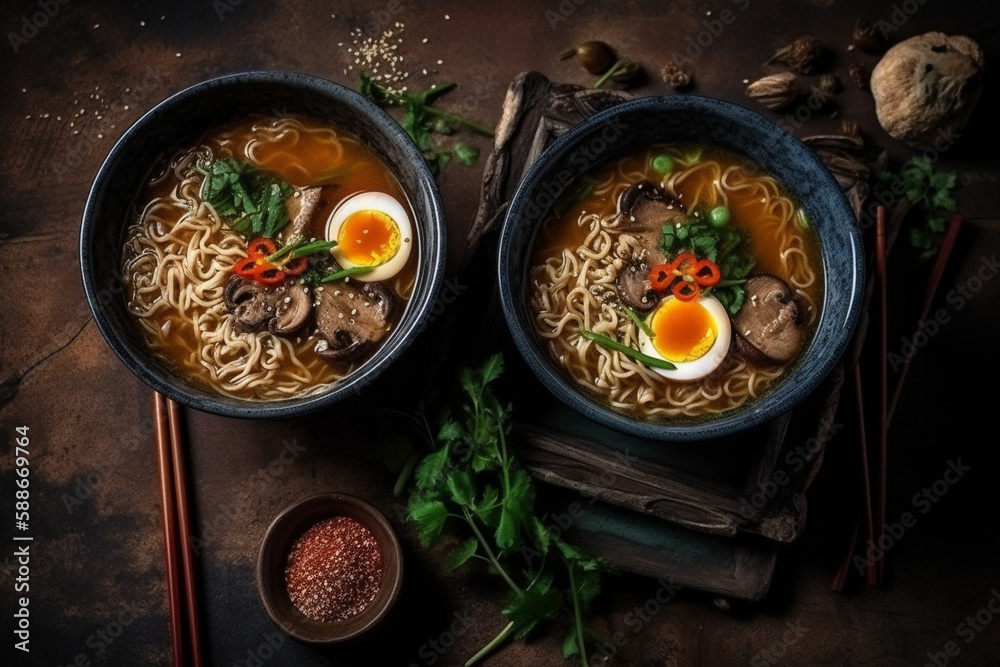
{"x": 74, "y": 75}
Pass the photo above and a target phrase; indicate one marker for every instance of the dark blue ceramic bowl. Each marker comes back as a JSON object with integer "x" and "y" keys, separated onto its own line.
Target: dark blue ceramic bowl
{"x": 649, "y": 120}
{"x": 183, "y": 117}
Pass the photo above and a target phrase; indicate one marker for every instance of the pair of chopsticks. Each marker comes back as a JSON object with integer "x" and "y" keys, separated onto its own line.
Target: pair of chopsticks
{"x": 875, "y": 515}
{"x": 181, "y": 587}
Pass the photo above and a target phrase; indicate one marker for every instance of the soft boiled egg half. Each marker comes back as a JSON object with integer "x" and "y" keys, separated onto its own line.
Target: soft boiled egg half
{"x": 372, "y": 229}
{"x": 693, "y": 335}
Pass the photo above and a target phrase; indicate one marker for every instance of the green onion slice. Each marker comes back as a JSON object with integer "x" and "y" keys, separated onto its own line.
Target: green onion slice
{"x": 612, "y": 344}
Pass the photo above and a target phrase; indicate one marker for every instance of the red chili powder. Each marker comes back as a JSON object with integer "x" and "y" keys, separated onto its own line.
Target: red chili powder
{"x": 334, "y": 570}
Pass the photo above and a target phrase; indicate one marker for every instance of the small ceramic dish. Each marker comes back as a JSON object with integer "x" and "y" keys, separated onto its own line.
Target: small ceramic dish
{"x": 273, "y": 559}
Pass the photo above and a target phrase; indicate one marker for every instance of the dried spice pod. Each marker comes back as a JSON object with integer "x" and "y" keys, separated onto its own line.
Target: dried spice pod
{"x": 829, "y": 83}
{"x": 674, "y": 76}
{"x": 860, "y": 75}
{"x": 775, "y": 91}
{"x": 803, "y": 56}
{"x": 595, "y": 56}
{"x": 866, "y": 37}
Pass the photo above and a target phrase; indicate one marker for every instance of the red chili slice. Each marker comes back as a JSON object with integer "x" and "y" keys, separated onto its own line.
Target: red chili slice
{"x": 247, "y": 268}
{"x": 684, "y": 263}
{"x": 706, "y": 273}
{"x": 686, "y": 291}
{"x": 661, "y": 275}
{"x": 261, "y": 247}
{"x": 295, "y": 266}
{"x": 270, "y": 275}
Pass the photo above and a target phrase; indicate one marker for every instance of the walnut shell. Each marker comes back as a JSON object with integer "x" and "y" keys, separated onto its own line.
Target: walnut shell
{"x": 927, "y": 86}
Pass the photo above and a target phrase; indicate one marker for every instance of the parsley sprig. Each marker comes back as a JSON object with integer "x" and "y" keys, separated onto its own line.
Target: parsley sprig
{"x": 929, "y": 191}
{"x": 473, "y": 480}
{"x": 249, "y": 199}
{"x": 422, "y": 121}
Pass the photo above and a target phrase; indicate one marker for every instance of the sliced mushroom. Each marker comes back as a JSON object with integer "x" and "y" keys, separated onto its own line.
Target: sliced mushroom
{"x": 644, "y": 208}
{"x": 292, "y": 310}
{"x": 350, "y": 320}
{"x": 282, "y": 309}
{"x": 248, "y": 302}
{"x": 634, "y": 288}
{"x": 768, "y": 325}
{"x": 302, "y": 208}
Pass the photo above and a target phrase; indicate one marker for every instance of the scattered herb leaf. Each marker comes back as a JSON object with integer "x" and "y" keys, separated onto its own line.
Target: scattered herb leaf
{"x": 930, "y": 191}
{"x": 471, "y": 479}
{"x": 422, "y": 121}
{"x": 250, "y": 200}
{"x": 724, "y": 244}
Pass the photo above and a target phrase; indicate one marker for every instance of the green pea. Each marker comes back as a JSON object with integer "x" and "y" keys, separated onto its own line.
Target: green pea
{"x": 663, "y": 164}
{"x": 719, "y": 216}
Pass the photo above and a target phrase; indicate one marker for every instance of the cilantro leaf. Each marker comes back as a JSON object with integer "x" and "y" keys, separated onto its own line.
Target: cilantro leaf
{"x": 421, "y": 121}
{"x": 516, "y": 510}
{"x": 460, "y": 485}
{"x": 429, "y": 515}
{"x": 430, "y": 470}
{"x": 532, "y": 605}
{"x": 466, "y": 154}
{"x": 251, "y": 201}
{"x": 462, "y": 553}
{"x": 471, "y": 477}
{"x": 929, "y": 191}
{"x": 726, "y": 246}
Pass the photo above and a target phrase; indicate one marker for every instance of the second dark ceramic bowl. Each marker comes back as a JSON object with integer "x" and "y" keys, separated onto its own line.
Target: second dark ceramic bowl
{"x": 184, "y": 116}
{"x": 688, "y": 118}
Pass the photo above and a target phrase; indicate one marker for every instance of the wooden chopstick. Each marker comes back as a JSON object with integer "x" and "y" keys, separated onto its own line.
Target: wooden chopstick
{"x": 165, "y": 465}
{"x": 883, "y": 411}
{"x": 181, "y": 577}
{"x": 840, "y": 576}
{"x": 930, "y": 292}
{"x": 871, "y": 575}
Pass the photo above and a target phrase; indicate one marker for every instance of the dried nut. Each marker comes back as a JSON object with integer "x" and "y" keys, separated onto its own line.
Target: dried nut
{"x": 859, "y": 75}
{"x": 801, "y": 56}
{"x": 867, "y": 37}
{"x": 829, "y": 83}
{"x": 674, "y": 76}
{"x": 927, "y": 86}
{"x": 775, "y": 90}
{"x": 849, "y": 128}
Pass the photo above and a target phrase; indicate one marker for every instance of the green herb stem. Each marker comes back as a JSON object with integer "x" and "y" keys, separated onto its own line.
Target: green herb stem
{"x": 404, "y": 475}
{"x": 577, "y": 614}
{"x": 461, "y": 120}
{"x": 494, "y": 643}
{"x": 489, "y": 552}
{"x": 313, "y": 248}
{"x": 619, "y": 64}
{"x": 639, "y": 322}
{"x": 344, "y": 273}
{"x": 282, "y": 251}
{"x": 612, "y": 344}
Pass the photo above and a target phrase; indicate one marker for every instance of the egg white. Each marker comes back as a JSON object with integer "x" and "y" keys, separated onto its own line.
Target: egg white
{"x": 378, "y": 201}
{"x": 712, "y": 359}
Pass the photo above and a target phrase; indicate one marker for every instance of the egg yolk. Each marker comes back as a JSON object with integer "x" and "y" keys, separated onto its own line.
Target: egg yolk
{"x": 684, "y": 330}
{"x": 369, "y": 237}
